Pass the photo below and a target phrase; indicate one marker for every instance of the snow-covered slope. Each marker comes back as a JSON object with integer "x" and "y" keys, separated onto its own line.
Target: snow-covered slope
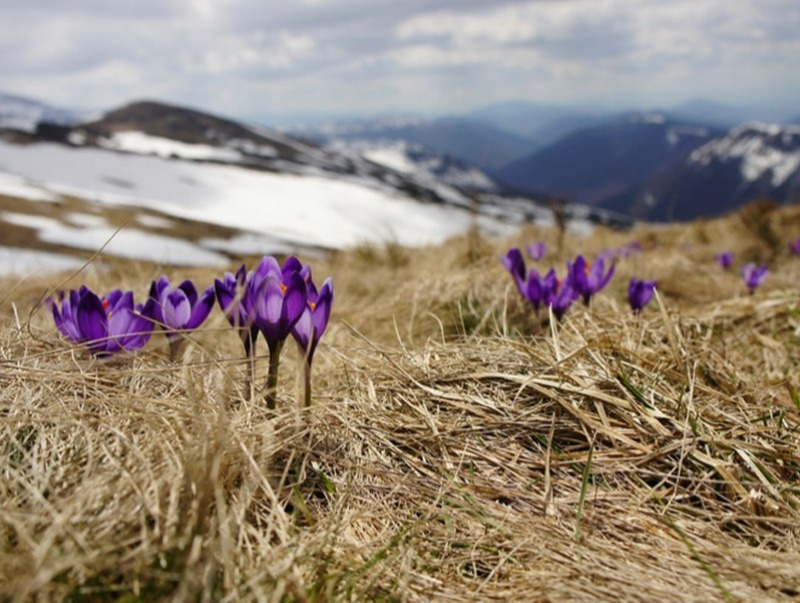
{"x": 417, "y": 161}
{"x": 308, "y": 210}
{"x": 762, "y": 151}
{"x": 752, "y": 161}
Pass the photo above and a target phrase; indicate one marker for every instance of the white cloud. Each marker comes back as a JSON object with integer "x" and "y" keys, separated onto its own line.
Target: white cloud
{"x": 248, "y": 56}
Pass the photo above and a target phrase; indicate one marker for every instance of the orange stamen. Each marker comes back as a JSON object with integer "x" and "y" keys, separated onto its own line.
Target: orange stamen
{"x": 283, "y": 288}
{"x": 312, "y": 304}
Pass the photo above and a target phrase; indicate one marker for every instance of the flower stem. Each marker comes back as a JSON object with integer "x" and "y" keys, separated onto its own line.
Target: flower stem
{"x": 271, "y": 394}
{"x": 307, "y": 385}
{"x": 175, "y": 346}
{"x": 248, "y": 340}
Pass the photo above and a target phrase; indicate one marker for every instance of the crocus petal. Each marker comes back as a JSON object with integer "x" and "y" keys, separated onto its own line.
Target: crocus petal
{"x": 604, "y": 280}
{"x": 535, "y": 289}
{"x": 268, "y": 266}
{"x": 640, "y": 293}
{"x": 201, "y": 309}
{"x": 226, "y": 294}
{"x": 271, "y": 301}
{"x": 117, "y": 303}
{"x": 537, "y": 250}
{"x": 294, "y": 302}
{"x": 322, "y": 308}
{"x": 175, "y": 308}
{"x": 91, "y": 321}
{"x": 232, "y": 292}
{"x": 114, "y": 298}
{"x": 189, "y": 289}
{"x": 292, "y": 264}
{"x": 515, "y": 264}
{"x": 753, "y": 275}
{"x": 303, "y": 330}
{"x": 138, "y": 332}
{"x": 119, "y": 322}
{"x": 269, "y": 306}
{"x": 64, "y": 317}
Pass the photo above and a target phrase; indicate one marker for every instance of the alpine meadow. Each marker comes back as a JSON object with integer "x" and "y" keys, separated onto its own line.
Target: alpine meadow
{"x": 459, "y": 441}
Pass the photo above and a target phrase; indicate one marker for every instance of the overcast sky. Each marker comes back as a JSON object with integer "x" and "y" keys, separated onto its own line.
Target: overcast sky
{"x": 265, "y": 58}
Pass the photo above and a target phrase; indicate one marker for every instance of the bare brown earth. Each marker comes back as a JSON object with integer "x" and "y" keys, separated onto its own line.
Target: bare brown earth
{"x": 457, "y": 448}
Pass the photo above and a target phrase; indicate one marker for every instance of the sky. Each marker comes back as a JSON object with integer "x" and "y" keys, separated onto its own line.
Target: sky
{"x": 270, "y": 60}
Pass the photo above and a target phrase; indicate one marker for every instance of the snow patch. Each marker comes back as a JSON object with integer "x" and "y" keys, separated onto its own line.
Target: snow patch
{"x": 129, "y": 243}
{"x": 24, "y": 188}
{"x": 15, "y": 261}
{"x": 149, "y": 221}
{"x": 394, "y": 157}
{"x": 145, "y": 144}
{"x": 86, "y": 220}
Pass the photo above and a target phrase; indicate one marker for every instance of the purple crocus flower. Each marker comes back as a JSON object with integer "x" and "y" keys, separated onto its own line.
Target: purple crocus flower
{"x": 314, "y": 320}
{"x": 588, "y": 279}
{"x": 238, "y": 306}
{"x": 515, "y": 264}
{"x": 794, "y": 247}
{"x": 312, "y": 323}
{"x": 106, "y": 325}
{"x": 178, "y": 308}
{"x": 235, "y": 297}
{"x": 724, "y": 259}
{"x": 753, "y": 275}
{"x": 538, "y": 289}
{"x": 537, "y": 250}
{"x": 560, "y": 296}
{"x": 230, "y": 295}
{"x": 640, "y": 293}
{"x": 279, "y": 297}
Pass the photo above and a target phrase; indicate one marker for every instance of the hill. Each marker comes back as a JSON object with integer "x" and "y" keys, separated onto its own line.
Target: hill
{"x": 255, "y": 189}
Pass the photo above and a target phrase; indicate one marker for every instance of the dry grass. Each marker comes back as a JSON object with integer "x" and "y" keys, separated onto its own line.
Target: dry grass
{"x": 457, "y": 448}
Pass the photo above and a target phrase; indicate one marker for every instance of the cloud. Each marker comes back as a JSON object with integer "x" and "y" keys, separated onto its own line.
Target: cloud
{"x": 250, "y": 56}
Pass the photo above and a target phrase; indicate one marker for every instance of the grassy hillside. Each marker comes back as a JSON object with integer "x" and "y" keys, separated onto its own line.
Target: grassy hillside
{"x": 457, "y": 448}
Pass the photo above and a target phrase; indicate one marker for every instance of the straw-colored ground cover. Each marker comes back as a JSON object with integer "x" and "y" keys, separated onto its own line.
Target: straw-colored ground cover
{"x": 457, "y": 448}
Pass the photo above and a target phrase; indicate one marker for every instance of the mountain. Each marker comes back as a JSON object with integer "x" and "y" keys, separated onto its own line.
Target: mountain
{"x": 597, "y": 163}
{"x": 705, "y": 111}
{"x": 751, "y": 161}
{"x": 24, "y": 114}
{"x": 542, "y": 124}
{"x": 480, "y": 144}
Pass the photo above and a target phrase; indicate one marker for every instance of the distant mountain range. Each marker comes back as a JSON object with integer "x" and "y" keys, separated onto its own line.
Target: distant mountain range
{"x": 751, "y": 161}
{"x": 476, "y": 142}
{"x": 603, "y": 161}
{"x": 511, "y": 157}
{"x": 636, "y": 164}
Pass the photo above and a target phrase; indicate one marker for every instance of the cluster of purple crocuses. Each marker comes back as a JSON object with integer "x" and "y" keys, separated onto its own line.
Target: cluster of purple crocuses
{"x": 272, "y": 300}
{"x": 582, "y": 280}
